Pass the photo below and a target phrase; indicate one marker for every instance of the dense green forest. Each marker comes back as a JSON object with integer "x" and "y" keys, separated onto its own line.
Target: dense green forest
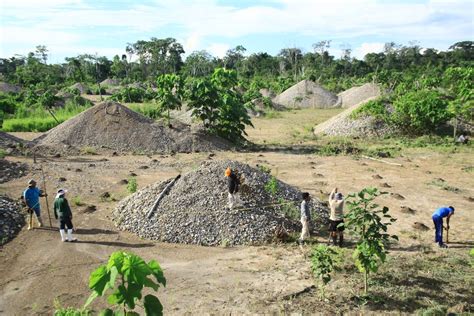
{"x": 427, "y": 87}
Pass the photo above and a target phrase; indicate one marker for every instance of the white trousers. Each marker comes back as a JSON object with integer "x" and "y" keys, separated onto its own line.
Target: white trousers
{"x": 305, "y": 229}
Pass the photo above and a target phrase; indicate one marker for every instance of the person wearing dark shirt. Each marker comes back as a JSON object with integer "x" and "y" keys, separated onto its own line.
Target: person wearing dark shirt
{"x": 233, "y": 184}
{"x": 62, "y": 212}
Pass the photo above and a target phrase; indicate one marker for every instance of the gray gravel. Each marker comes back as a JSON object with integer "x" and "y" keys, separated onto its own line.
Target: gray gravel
{"x": 194, "y": 211}
{"x": 110, "y": 126}
{"x": 11, "y": 219}
{"x": 11, "y": 170}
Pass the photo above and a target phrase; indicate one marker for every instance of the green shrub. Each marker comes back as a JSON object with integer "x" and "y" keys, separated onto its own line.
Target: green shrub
{"x": 132, "y": 94}
{"x": 323, "y": 260}
{"x": 76, "y": 200}
{"x": 272, "y": 186}
{"x": 375, "y": 108}
{"x": 132, "y": 185}
{"x": 151, "y": 110}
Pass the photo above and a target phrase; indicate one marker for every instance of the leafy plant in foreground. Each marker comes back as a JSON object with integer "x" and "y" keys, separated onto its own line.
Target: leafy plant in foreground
{"x": 126, "y": 275}
{"x": 365, "y": 219}
{"x": 323, "y": 260}
{"x": 132, "y": 185}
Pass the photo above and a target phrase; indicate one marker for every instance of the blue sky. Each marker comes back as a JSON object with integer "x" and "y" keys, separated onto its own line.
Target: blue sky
{"x": 72, "y": 27}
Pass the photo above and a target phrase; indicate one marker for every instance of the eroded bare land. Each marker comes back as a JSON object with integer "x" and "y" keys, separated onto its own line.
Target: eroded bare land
{"x": 36, "y": 268}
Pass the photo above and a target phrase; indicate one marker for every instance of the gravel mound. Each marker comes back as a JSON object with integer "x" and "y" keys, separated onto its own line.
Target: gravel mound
{"x": 11, "y": 219}
{"x": 110, "y": 82}
{"x": 10, "y": 143}
{"x": 84, "y": 89}
{"x": 110, "y": 126}
{"x": 11, "y": 170}
{"x": 194, "y": 209}
{"x": 355, "y": 95}
{"x": 343, "y": 125}
{"x": 267, "y": 93}
{"x": 7, "y": 87}
{"x": 307, "y": 94}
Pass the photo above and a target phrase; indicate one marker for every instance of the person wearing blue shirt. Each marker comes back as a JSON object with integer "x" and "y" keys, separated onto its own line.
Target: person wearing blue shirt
{"x": 437, "y": 217}
{"x": 31, "y": 197}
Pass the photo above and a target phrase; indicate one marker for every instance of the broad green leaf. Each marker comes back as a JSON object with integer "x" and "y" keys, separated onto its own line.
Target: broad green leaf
{"x": 113, "y": 276}
{"x": 135, "y": 269}
{"x": 117, "y": 297}
{"x": 107, "y": 312}
{"x": 157, "y": 272}
{"x": 153, "y": 306}
{"x": 116, "y": 259}
{"x": 150, "y": 283}
{"x": 131, "y": 293}
{"x": 99, "y": 280}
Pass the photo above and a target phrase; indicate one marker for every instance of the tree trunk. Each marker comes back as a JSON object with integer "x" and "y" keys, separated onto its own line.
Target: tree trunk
{"x": 366, "y": 281}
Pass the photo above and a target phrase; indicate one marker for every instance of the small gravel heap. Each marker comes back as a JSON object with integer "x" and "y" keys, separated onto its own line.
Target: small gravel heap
{"x": 110, "y": 126}
{"x": 11, "y": 219}
{"x": 343, "y": 125}
{"x": 356, "y": 95}
{"x": 83, "y": 89}
{"x": 194, "y": 209}
{"x": 11, "y": 170}
{"x": 307, "y": 94}
{"x": 9, "y": 88}
{"x": 10, "y": 144}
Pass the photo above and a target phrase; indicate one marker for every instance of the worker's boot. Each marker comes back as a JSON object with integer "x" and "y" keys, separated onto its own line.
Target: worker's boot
{"x": 69, "y": 236}
{"x": 63, "y": 235}
{"x": 40, "y": 221}
{"x": 341, "y": 240}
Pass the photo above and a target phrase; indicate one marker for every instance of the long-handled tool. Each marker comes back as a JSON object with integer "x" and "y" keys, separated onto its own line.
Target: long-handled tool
{"x": 46, "y": 196}
{"x": 447, "y": 233}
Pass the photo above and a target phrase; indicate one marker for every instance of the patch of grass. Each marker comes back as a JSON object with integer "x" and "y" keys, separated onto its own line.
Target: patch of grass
{"x": 271, "y": 114}
{"x": 271, "y": 186}
{"x": 76, "y": 200}
{"x": 3, "y": 153}
{"x": 148, "y": 109}
{"x": 87, "y": 150}
{"x": 265, "y": 169}
{"x": 443, "y": 185}
{"x": 468, "y": 169}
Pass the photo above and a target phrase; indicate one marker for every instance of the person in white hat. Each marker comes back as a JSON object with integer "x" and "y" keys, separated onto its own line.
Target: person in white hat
{"x": 63, "y": 213}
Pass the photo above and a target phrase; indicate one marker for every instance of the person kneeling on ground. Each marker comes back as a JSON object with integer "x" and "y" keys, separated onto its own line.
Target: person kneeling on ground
{"x": 233, "y": 184}
{"x": 31, "y": 197}
{"x": 336, "y": 203}
{"x": 437, "y": 217}
{"x": 62, "y": 211}
{"x": 305, "y": 217}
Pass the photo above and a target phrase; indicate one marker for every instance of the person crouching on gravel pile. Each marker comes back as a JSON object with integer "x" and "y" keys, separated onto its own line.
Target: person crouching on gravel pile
{"x": 233, "y": 184}
{"x": 336, "y": 203}
{"x": 437, "y": 217}
{"x": 62, "y": 211}
{"x": 305, "y": 217}
{"x": 31, "y": 196}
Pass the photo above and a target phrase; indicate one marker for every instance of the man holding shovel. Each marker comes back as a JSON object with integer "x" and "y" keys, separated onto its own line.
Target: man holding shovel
{"x": 31, "y": 197}
{"x": 437, "y": 217}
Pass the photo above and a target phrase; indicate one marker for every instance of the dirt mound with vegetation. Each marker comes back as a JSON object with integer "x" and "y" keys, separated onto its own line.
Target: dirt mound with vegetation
{"x": 344, "y": 125}
{"x": 193, "y": 210}
{"x": 110, "y": 126}
{"x": 8, "y": 87}
{"x": 307, "y": 94}
{"x": 356, "y": 95}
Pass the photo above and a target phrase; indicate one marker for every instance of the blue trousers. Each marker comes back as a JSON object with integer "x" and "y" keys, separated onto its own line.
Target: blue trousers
{"x": 438, "y": 223}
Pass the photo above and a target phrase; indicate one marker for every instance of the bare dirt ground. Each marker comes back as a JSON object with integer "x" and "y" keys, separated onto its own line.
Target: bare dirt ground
{"x": 36, "y": 268}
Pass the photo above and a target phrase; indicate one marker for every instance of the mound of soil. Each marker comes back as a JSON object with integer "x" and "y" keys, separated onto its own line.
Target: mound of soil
{"x": 360, "y": 94}
{"x": 307, "y": 94}
{"x": 194, "y": 209}
{"x": 84, "y": 89}
{"x": 110, "y": 82}
{"x": 11, "y": 170}
{"x": 267, "y": 93}
{"x": 343, "y": 125}
{"x": 8, "y": 87}
{"x": 110, "y": 126}
{"x": 11, "y": 219}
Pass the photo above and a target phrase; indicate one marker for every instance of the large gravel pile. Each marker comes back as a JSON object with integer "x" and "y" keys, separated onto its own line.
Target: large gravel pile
{"x": 343, "y": 125}
{"x": 110, "y": 82}
{"x": 110, "y": 126}
{"x": 194, "y": 209}
{"x": 81, "y": 87}
{"x": 356, "y": 95}
{"x": 11, "y": 170}
{"x": 11, "y": 219}
{"x": 307, "y": 94}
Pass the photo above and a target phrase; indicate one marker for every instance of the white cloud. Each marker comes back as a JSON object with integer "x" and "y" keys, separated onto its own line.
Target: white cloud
{"x": 218, "y": 50}
{"x": 200, "y": 22}
{"x": 365, "y": 48}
